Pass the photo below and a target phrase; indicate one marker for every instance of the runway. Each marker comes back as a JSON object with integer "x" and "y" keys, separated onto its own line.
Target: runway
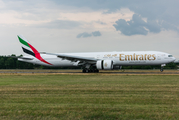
{"x": 101, "y": 72}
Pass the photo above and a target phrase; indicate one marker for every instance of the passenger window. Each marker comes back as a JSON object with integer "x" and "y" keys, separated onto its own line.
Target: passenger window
{"x": 170, "y": 56}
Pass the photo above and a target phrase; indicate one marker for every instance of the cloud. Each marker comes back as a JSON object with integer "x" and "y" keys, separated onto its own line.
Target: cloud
{"x": 60, "y": 24}
{"x": 40, "y": 14}
{"x": 162, "y": 16}
{"x": 2, "y": 5}
{"x": 137, "y": 26}
{"x": 164, "y": 11}
{"x": 96, "y": 33}
{"x": 85, "y": 34}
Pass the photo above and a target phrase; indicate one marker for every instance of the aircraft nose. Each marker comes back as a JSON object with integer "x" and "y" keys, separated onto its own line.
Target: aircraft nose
{"x": 174, "y": 58}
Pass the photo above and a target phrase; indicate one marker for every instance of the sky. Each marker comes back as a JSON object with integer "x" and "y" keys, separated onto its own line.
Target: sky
{"x": 68, "y": 26}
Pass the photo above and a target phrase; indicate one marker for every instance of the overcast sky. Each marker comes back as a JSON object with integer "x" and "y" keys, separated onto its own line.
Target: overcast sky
{"x": 90, "y": 25}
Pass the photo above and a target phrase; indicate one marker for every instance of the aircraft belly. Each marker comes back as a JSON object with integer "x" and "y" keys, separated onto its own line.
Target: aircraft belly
{"x": 138, "y": 63}
{"x": 62, "y": 63}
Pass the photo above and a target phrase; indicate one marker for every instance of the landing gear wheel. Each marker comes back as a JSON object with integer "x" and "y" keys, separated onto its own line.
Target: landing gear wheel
{"x": 90, "y": 71}
{"x": 87, "y": 70}
{"x": 96, "y": 71}
{"x": 84, "y": 71}
{"x": 161, "y": 70}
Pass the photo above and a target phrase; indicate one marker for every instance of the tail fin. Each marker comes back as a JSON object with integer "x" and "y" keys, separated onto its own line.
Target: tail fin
{"x": 27, "y": 47}
{"x": 30, "y": 50}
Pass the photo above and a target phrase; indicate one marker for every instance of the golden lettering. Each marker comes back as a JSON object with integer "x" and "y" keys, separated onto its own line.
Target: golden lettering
{"x": 154, "y": 56}
{"x": 141, "y": 57}
{"x": 149, "y": 56}
{"x": 137, "y": 57}
{"x": 114, "y": 55}
{"x": 145, "y": 56}
{"x": 120, "y": 57}
{"x": 123, "y": 57}
{"x": 129, "y": 57}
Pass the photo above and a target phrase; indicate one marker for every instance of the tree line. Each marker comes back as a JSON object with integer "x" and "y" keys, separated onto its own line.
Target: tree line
{"x": 13, "y": 63}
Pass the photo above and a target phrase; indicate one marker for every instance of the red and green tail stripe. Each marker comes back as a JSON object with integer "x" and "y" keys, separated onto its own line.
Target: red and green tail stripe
{"x": 35, "y": 53}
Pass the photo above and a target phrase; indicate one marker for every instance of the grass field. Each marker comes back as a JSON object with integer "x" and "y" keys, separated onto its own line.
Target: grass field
{"x": 89, "y": 96}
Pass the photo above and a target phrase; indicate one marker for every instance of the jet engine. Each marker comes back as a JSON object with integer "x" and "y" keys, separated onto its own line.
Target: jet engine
{"x": 104, "y": 65}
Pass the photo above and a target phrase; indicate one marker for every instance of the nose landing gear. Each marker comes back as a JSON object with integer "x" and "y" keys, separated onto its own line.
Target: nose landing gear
{"x": 162, "y": 66}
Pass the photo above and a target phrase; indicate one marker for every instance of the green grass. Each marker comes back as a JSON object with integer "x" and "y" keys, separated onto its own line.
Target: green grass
{"x": 89, "y": 97}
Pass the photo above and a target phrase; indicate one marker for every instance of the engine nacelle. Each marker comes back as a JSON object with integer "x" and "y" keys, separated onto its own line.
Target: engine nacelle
{"x": 104, "y": 65}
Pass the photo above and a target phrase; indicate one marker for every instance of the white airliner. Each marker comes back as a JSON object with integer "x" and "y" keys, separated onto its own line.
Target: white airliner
{"x": 93, "y": 61}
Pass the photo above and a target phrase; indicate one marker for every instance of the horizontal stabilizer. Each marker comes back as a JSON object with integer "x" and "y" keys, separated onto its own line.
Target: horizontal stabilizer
{"x": 20, "y": 57}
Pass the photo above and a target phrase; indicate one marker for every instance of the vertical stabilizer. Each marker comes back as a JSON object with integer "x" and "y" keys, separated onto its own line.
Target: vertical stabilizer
{"x": 30, "y": 50}
{"x": 26, "y": 46}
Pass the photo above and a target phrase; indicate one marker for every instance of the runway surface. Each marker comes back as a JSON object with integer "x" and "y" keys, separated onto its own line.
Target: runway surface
{"x": 105, "y": 72}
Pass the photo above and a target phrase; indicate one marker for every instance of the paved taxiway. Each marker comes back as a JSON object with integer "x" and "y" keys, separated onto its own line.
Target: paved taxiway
{"x": 119, "y": 72}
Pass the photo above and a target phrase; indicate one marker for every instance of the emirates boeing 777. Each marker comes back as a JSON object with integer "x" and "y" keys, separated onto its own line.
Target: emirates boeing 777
{"x": 93, "y": 61}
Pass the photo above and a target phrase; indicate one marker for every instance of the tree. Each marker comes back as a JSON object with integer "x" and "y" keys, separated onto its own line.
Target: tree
{"x": 2, "y": 66}
{"x": 9, "y": 63}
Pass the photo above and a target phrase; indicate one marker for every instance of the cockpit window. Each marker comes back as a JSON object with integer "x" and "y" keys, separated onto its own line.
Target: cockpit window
{"x": 170, "y": 55}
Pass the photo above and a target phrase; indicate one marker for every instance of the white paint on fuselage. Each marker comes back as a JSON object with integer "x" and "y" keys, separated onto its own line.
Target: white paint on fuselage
{"x": 119, "y": 58}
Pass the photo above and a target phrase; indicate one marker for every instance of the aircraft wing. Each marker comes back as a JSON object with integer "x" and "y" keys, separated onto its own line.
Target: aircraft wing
{"x": 75, "y": 58}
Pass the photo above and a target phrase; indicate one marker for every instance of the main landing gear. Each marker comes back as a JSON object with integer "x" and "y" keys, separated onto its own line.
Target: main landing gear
{"x": 90, "y": 70}
{"x": 161, "y": 69}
